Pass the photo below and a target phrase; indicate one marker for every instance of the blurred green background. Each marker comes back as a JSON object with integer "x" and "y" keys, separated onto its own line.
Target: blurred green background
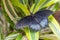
{"x": 13, "y": 10}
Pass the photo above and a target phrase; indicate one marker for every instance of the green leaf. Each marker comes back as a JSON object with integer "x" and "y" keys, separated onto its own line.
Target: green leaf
{"x": 31, "y": 9}
{"x": 19, "y": 37}
{"x": 54, "y": 26}
{"x": 55, "y": 7}
{"x": 11, "y": 36}
{"x": 48, "y": 4}
{"x": 20, "y": 12}
{"x": 9, "y": 8}
{"x": 38, "y": 5}
{"x": 7, "y": 11}
{"x": 25, "y": 2}
{"x": 31, "y": 35}
{"x": 8, "y": 19}
{"x": 20, "y": 5}
{"x": 1, "y": 35}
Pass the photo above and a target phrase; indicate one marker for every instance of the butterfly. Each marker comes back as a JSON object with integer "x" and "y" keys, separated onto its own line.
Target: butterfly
{"x": 36, "y": 21}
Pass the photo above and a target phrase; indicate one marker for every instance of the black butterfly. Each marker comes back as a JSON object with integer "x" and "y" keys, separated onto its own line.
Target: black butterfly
{"x": 36, "y": 22}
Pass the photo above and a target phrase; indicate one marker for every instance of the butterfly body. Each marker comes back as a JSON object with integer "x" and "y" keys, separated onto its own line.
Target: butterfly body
{"x": 36, "y": 21}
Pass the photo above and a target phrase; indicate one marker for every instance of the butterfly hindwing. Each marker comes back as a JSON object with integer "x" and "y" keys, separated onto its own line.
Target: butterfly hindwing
{"x": 44, "y": 23}
{"x": 34, "y": 25}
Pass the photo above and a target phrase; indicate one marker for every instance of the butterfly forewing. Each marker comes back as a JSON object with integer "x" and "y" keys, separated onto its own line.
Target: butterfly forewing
{"x": 43, "y": 13}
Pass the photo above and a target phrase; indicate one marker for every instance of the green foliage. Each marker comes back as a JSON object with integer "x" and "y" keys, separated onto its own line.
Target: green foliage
{"x": 16, "y": 9}
{"x": 54, "y": 26}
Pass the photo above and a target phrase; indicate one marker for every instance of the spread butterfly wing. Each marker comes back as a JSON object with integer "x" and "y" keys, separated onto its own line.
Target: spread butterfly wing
{"x": 23, "y": 22}
{"x": 28, "y": 21}
{"x": 36, "y": 21}
{"x": 43, "y": 21}
{"x": 42, "y": 17}
{"x": 43, "y": 13}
